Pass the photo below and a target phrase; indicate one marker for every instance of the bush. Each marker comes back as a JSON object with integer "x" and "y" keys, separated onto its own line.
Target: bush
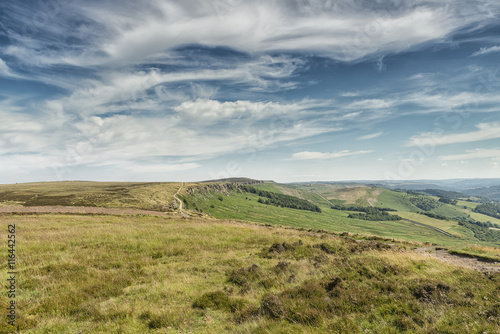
{"x": 243, "y": 276}
{"x": 218, "y": 300}
{"x": 272, "y": 307}
{"x": 424, "y": 203}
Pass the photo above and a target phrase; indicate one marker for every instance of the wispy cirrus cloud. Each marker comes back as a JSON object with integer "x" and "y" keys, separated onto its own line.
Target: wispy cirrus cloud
{"x": 484, "y": 51}
{"x": 371, "y": 136}
{"x": 345, "y": 30}
{"x": 486, "y": 131}
{"x": 478, "y": 153}
{"x": 6, "y": 71}
{"x": 306, "y": 155}
{"x": 150, "y": 83}
{"x": 161, "y": 168}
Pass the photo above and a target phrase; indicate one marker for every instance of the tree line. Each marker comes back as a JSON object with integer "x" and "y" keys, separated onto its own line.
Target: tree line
{"x": 370, "y": 213}
{"x": 481, "y": 230}
{"x": 281, "y": 200}
{"x": 489, "y": 209}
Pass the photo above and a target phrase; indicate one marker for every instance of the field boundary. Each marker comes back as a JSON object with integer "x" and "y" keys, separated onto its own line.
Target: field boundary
{"x": 432, "y": 227}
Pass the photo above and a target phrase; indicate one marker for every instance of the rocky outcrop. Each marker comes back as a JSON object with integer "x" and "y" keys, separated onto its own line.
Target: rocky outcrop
{"x": 224, "y": 188}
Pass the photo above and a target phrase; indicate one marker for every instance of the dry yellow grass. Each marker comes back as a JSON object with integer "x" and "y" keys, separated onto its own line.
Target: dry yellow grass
{"x": 354, "y": 195}
{"x": 156, "y": 196}
{"x": 131, "y": 274}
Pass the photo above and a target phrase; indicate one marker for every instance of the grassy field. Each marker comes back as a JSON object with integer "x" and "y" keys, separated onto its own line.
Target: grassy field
{"x": 244, "y": 206}
{"x": 445, "y": 225}
{"x": 152, "y": 196}
{"x": 396, "y": 201}
{"x": 142, "y": 274}
{"x": 159, "y": 196}
{"x": 348, "y": 194}
{"x": 470, "y": 205}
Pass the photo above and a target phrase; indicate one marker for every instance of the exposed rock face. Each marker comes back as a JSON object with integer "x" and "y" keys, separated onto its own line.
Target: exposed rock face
{"x": 173, "y": 205}
{"x": 224, "y": 188}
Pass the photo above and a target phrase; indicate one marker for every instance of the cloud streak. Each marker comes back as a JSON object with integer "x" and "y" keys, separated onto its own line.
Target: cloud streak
{"x": 306, "y": 155}
{"x": 145, "y": 85}
{"x": 486, "y": 131}
{"x": 484, "y": 51}
{"x": 370, "y": 136}
{"x": 478, "y": 153}
{"x": 343, "y": 30}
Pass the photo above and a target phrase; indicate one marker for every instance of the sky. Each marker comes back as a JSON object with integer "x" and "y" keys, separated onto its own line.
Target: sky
{"x": 291, "y": 91}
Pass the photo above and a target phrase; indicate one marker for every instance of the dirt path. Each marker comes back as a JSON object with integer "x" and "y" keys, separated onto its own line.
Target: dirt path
{"x": 185, "y": 215}
{"x": 177, "y": 198}
{"x": 460, "y": 261}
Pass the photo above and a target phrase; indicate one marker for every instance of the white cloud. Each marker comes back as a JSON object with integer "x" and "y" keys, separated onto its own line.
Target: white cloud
{"x": 485, "y": 131}
{"x": 187, "y": 133}
{"x": 163, "y": 168}
{"x": 6, "y": 71}
{"x": 371, "y": 104}
{"x": 136, "y": 32}
{"x": 350, "y": 94}
{"x": 478, "y": 153}
{"x": 207, "y": 112}
{"x": 306, "y": 155}
{"x": 484, "y": 51}
{"x": 370, "y": 136}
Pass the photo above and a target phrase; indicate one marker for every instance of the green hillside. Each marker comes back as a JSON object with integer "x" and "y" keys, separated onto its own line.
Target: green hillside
{"x": 237, "y": 204}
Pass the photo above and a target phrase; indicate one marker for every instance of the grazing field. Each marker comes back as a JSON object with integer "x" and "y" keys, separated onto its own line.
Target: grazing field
{"x": 395, "y": 200}
{"x": 245, "y": 206}
{"x": 481, "y": 217}
{"x": 445, "y": 225}
{"x": 348, "y": 194}
{"x": 470, "y": 205}
{"x": 144, "y": 274}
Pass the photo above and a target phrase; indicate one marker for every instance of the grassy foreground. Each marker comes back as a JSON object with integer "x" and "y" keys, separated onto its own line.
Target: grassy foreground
{"x": 136, "y": 274}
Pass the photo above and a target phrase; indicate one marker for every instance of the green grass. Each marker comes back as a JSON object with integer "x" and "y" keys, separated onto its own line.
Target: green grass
{"x": 449, "y": 210}
{"x": 445, "y": 225}
{"x": 468, "y": 204}
{"x": 127, "y": 274}
{"x": 244, "y": 206}
{"x": 396, "y": 201}
{"x": 481, "y": 217}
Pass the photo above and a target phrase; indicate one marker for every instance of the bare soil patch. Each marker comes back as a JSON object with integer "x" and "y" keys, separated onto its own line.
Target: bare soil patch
{"x": 461, "y": 261}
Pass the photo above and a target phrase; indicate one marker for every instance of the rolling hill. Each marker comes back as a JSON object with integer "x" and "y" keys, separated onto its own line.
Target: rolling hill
{"x": 229, "y": 263}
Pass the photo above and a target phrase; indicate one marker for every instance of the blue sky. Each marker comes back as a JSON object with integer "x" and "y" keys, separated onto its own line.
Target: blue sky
{"x": 297, "y": 90}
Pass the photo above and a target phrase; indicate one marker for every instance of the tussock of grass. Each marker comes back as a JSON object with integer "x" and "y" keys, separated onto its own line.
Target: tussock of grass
{"x": 103, "y": 274}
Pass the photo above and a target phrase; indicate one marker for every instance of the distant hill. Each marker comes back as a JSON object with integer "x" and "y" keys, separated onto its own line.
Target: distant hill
{"x": 444, "y": 193}
{"x": 234, "y": 180}
{"x": 459, "y": 185}
{"x": 492, "y": 192}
